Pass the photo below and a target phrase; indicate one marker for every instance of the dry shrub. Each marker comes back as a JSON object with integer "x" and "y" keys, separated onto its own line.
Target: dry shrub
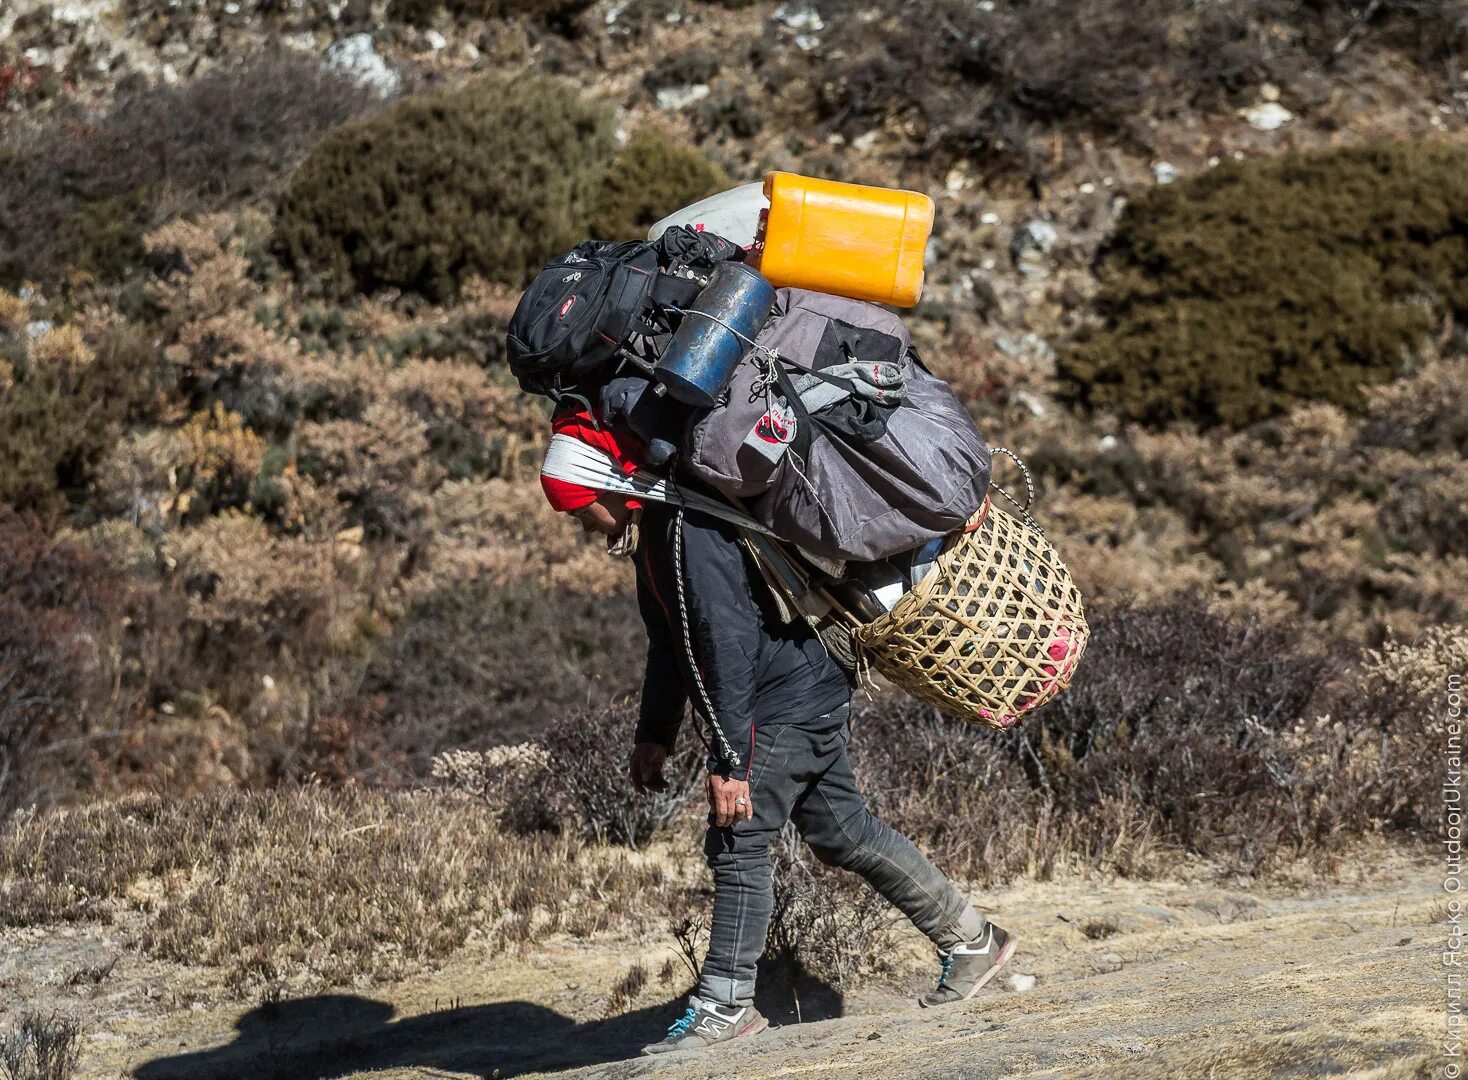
{"x": 284, "y": 500}
{"x": 57, "y": 604}
{"x": 315, "y": 885}
{"x": 824, "y": 925}
{"x": 64, "y": 393}
{"x": 42, "y": 1048}
{"x": 558, "y": 13}
{"x": 574, "y": 775}
{"x": 1351, "y": 524}
{"x": 1182, "y": 733}
{"x": 992, "y": 83}
{"x": 80, "y": 190}
{"x": 476, "y": 664}
{"x": 588, "y": 785}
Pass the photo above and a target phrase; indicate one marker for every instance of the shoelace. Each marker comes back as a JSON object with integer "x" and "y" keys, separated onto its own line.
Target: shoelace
{"x": 680, "y": 1027}
{"x": 947, "y": 967}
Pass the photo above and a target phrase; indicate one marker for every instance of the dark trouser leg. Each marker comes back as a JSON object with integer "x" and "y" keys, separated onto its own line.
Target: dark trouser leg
{"x": 833, "y": 818}
{"x": 740, "y": 859}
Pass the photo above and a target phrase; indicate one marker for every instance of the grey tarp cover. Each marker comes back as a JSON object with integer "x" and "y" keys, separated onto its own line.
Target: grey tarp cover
{"x": 846, "y": 499}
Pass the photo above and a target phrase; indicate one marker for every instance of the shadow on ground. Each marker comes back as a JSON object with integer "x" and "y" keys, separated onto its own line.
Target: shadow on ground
{"x": 336, "y": 1035}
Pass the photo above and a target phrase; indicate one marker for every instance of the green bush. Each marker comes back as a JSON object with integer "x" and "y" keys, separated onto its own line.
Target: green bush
{"x": 652, "y": 177}
{"x": 1232, "y": 294}
{"x": 487, "y": 180}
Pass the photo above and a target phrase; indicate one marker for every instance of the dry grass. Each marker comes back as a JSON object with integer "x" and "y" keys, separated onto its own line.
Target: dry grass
{"x": 313, "y": 884}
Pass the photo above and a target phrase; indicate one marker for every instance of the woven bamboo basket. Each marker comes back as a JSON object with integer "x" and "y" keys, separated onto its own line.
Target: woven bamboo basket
{"x": 994, "y": 630}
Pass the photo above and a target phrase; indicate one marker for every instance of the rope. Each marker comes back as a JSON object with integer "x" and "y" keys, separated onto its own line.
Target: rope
{"x": 1024, "y": 511}
{"x": 703, "y": 693}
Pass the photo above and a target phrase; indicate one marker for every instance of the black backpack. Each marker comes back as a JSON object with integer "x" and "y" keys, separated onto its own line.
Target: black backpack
{"x": 578, "y": 312}
{"x": 585, "y": 305}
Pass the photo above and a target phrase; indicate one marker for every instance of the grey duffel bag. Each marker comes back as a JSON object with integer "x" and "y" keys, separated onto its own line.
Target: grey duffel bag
{"x": 837, "y": 438}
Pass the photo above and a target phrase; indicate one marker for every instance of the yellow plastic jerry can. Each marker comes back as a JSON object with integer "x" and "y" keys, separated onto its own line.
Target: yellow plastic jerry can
{"x": 847, "y": 239}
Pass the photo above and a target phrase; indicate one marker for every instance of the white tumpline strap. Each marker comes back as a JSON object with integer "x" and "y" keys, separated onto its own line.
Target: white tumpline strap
{"x": 569, "y": 459}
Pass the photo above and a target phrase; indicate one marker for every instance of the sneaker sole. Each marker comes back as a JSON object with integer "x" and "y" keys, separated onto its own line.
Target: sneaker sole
{"x": 755, "y": 1027}
{"x": 1002, "y": 959}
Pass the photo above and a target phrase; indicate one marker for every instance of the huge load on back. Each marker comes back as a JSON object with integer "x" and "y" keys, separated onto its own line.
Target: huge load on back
{"x": 809, "y": 417}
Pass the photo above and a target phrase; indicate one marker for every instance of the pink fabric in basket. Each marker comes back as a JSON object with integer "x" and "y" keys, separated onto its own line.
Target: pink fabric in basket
{"x": 1063, "y": 652}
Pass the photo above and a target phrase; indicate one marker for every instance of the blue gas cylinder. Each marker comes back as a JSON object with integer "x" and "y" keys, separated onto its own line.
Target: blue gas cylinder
{"x": 717, "y": 332}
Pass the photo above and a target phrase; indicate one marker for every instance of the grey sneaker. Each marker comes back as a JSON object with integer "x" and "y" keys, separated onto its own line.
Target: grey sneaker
{"x": 969, "y": 966}
{"x": 706, "y": 1023}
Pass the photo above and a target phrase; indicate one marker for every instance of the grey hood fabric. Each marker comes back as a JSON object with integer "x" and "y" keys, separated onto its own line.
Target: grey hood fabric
{"x": 844, "y": 473}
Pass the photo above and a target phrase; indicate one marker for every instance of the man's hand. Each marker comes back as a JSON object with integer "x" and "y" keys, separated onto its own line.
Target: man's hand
{"x": 729, "y": 801}
{"x": 645, "y": 769}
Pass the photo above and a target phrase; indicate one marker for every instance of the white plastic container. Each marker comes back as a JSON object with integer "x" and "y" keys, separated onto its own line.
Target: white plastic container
{"x": 733, "y": 214}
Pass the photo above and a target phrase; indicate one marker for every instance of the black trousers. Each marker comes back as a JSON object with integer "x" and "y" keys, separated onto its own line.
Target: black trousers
{"x": 802, "y": 774}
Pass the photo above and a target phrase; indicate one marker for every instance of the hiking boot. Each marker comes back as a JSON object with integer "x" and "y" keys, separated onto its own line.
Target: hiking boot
{"x": 969, "y": 966}
{"x": 705, "y": 1024}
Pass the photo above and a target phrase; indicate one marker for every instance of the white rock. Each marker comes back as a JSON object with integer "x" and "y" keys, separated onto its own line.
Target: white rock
{"x": 1213, "y": 162}
{"x": 469, "y": 51}
{"x": 1165, "y": 172}
{"x": 231, "y": 8}
{"x": 1021, "y": 983}
{"x": 1032, "y": 348}
{"x": 1269, "y": 92}
{"x": 37, "y": 57}
{"x": 800, "y": 17}
{"x": 1267, "y": 116}
{"x": 955, "y": 181}
{"x": 36, "y": 327}
{"x": 988, "y": 217}
{"x": 680, "y": 97}
{"x": 989, "y": 263}
{"x": 435, "y": 41}
{"x": 356, "y": 58}
{"x": 865, "y": 141}
{"x": 1034, "y": 235}
{"x": 79, "y": 13}
{"x": 1106, "y": 442}
{"x": 1087, "y": 188}
{"x": 1029, "y": 401}
{"x": 807, "y": 42}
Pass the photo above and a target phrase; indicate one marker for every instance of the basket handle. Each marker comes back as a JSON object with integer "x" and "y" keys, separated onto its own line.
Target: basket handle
{"x": 1024, "y": 511}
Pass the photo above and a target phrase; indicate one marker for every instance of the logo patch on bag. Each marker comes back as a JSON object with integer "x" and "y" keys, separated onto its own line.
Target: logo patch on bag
{"x": 773, "y": 431}
{"x": 567, "y": 305}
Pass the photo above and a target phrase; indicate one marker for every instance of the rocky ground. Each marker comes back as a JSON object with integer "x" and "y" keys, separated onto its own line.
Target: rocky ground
{"x": 1112, "y": 978}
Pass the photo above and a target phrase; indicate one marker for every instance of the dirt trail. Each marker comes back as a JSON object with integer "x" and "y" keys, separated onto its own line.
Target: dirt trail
{"x": 1133, "y": 979}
